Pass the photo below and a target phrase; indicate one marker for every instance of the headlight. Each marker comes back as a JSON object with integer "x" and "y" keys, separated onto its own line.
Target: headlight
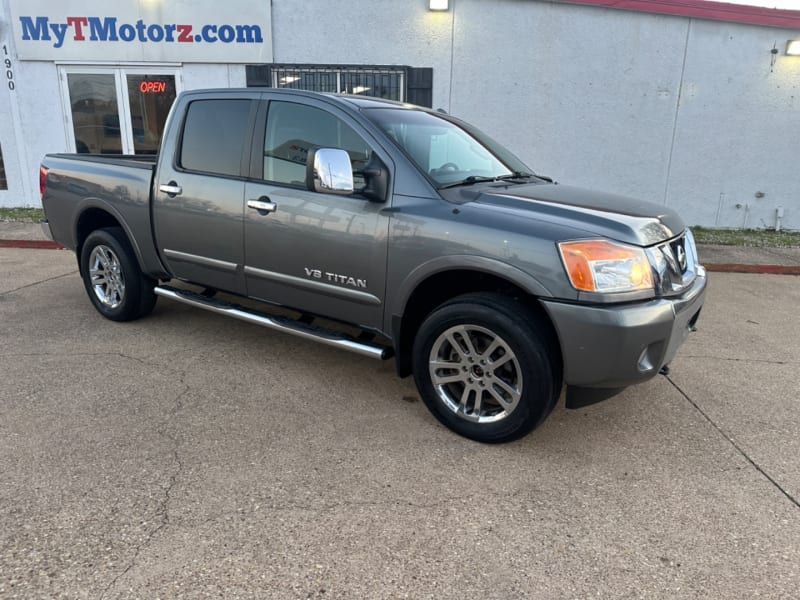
{"x": 603, "y": 266}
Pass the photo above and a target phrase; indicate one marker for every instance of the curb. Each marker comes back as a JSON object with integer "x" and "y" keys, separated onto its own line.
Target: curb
{"x": 767, "y": 269}
{"x": 41, "y": 244}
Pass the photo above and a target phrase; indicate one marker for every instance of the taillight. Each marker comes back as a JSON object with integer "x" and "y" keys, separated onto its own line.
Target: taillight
{"x": 42, "y": 180}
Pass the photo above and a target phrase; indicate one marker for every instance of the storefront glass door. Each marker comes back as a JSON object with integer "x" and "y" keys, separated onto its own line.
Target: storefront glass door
{"x": 119, "y": 110}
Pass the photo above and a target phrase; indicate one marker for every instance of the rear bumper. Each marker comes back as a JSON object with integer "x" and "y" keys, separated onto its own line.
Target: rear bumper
{"x": 45, "y": 225}
{"x": 612, "y": 347}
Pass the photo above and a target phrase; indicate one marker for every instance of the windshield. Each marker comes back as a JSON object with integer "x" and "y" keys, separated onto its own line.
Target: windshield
{"x": 447, "y": 150}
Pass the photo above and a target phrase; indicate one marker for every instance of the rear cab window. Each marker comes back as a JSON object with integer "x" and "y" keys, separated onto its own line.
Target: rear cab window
{"x": 214, "y": 135}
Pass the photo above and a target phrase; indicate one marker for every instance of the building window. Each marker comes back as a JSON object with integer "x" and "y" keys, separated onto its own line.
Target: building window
{"x": 404, "y": 84}
{"x": 3, "y": 180}
{"x": 117, "y": 110}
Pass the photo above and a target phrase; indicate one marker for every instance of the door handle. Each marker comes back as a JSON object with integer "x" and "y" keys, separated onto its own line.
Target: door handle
{"x": 263, "y": 204}
{"x": 171, "y": 189}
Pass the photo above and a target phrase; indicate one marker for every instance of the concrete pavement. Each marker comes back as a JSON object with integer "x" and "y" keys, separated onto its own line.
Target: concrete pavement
{"x": 189, "y": 455}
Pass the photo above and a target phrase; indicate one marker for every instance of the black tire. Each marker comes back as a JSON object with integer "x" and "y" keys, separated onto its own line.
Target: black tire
{"x": 112, "y": 277}
{"x": 511, "y": 365}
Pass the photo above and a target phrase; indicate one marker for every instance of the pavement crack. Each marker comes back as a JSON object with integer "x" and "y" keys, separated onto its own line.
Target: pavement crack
{"x": 163, "y": 507}
{"x": 742, "y": 360}
{"x": 733, "y": 443}
{"x": 24, "y": 287}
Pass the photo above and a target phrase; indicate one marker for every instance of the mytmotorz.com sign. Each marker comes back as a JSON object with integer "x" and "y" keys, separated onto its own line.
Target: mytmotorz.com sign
{"x": 144, "y": 30}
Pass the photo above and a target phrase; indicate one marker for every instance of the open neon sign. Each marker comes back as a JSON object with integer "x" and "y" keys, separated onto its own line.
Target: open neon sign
{"x": 153, "y": 87}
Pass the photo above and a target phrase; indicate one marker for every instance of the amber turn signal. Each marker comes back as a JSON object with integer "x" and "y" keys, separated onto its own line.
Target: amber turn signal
{"x": 603, "y": 266}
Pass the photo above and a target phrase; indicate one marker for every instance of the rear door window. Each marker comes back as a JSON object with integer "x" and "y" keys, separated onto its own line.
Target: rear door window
{"x": 214, "y": 134}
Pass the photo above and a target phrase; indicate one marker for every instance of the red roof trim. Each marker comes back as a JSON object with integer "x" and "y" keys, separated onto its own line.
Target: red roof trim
{"x": 703, "y": 9}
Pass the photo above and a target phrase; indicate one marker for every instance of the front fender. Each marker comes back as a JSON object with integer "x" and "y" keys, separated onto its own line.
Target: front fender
{"x": 466, "y": 262}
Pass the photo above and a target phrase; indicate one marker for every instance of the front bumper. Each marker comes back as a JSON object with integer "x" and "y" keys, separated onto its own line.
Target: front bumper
{"x": 612, "y": 347}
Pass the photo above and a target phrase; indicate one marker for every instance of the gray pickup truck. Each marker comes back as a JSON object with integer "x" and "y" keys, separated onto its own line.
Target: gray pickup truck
{"x": 389, "y": 230}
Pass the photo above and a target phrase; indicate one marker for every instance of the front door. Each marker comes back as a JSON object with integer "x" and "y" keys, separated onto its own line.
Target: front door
{"x": 321, "y": 253}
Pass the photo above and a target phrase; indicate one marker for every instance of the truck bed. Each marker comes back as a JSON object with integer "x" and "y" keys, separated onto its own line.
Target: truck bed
{"x": 114, "y": 184}
{"x": 138, "y": 161}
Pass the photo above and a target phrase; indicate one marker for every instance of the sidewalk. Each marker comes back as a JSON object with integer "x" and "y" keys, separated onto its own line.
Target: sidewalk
{"x": 732, "y": 259}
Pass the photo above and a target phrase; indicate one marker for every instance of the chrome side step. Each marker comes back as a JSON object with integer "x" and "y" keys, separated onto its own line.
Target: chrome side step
{"x": 300, "y": 329}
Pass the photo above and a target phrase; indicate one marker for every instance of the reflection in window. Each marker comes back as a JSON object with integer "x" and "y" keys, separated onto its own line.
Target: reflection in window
{"x": 293, "y": 129}
{"x": 95, "y": 115}
{"x": 3, "y": 180}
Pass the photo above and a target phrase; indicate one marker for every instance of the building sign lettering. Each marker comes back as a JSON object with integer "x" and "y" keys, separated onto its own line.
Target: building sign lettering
{"x": 205, "y": 31}
{"x": 106, "y": 29}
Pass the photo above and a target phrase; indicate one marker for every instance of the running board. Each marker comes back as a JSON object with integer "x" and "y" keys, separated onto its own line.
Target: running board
{"x": 303, "y": 330}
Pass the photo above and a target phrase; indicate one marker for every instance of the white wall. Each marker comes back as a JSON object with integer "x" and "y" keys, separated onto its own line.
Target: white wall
{"x": 369, "y": 32}
{"x": 685, "y": 112}
{"x": 738, "y": 128}
{"x": 682, "y": 111}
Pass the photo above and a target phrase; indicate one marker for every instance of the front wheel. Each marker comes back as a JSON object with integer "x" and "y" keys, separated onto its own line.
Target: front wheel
{"x": 486, "y": 367}
{"x": 112, "y": 277}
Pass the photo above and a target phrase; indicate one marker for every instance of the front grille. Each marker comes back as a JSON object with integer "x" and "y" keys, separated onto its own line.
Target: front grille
{"x": 678, "y": 248}
{"x": 674, "y": 263}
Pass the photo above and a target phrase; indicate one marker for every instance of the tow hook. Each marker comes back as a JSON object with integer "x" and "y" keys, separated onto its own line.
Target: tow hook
{"x": 664, "y": 370}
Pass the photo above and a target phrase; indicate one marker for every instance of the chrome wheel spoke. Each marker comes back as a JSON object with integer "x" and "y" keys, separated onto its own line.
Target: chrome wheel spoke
{"x": 470, "y": 349}
{"x": 456, "y": 345}
{"x": 476, "y": 410}
{"x": 515, "y": 395}
{"x": 462, "y": 404}
{"x": 491, "y": 349}
{"x": 106, "y": 277}
{"x": 445, "y": 364}
{"x": 445, "y": 379}
{"x": 98, "y": 278}
{"x": 501, "y": 361}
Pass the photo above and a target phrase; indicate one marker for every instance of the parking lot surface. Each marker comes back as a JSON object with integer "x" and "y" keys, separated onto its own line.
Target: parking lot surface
{"x": 189, "y": 455}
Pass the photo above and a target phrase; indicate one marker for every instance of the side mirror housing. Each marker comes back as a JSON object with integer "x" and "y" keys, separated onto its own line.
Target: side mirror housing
{"x": 376, "y": 177}
{"x": 328, "y": 171}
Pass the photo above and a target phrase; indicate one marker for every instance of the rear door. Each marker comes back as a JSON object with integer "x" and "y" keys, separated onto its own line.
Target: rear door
{"x": 320, "y": 253}
{"x": 199, "y": 191}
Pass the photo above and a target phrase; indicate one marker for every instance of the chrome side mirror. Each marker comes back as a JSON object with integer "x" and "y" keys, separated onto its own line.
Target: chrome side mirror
{"x": 329, "y": 171}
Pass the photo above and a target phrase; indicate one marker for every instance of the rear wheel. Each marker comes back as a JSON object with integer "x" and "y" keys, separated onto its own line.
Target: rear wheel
{"x": 112, "y": 277}
{"x": 486, "y": 367}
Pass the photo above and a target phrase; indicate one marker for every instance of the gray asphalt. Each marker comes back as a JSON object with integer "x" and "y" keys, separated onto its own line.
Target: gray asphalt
{"x": 187, "y": 455}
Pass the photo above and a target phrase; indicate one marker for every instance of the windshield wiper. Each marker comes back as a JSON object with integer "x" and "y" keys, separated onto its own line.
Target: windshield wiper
{"x": 515, "y": 175}
{"x": 468, "y": 181}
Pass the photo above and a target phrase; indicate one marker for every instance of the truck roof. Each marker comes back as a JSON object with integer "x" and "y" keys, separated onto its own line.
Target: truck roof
{"x": 353, "y": 100}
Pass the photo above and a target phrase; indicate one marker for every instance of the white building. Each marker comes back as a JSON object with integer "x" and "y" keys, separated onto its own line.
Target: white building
{"x": 688, "y": 103}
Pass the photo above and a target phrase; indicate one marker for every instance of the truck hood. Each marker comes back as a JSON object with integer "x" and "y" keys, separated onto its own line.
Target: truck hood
{"x": 593, "y": 213}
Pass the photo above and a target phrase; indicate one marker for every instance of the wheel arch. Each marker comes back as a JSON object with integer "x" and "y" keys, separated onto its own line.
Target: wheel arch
{"x": 94, "y": 214}
{"x": 441, "y": 285}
